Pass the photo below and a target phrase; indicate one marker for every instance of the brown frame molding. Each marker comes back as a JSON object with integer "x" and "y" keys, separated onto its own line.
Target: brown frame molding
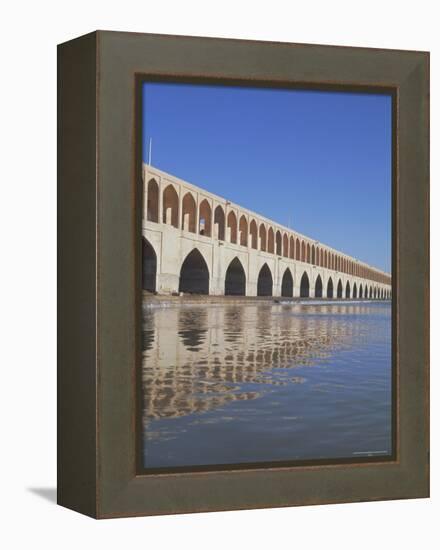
{"x": 99, "y": 349}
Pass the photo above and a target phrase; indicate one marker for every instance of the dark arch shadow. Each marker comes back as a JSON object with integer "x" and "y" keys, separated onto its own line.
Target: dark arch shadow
{"x": 339, "y": 290}
{"x": 194, "y": 274}
{"x": 149, "y": 266}
{"x": 235, "y": 279}
{"x": 330, "y": 288}
{"x": 287, "y": 284}
{"x": 347, "y": 290}
{"x": 265, "y": 282}
{"x": 354, "y": 291}
{"x": 318, "y": 287}
{"x": 304, "y": 290}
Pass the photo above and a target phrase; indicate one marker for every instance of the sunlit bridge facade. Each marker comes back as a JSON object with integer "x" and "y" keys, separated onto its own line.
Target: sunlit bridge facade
{"x": 195, "y": 242}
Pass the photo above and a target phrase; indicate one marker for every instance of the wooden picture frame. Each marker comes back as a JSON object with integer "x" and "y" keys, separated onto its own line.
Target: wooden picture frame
{"x": 99, "y": 216}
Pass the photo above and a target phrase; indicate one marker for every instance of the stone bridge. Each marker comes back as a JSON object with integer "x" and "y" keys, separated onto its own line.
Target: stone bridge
{"x": 197, "y": 242}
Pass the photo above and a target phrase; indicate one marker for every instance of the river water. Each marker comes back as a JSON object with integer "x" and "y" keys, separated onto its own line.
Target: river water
{"x": 262, "y": 382}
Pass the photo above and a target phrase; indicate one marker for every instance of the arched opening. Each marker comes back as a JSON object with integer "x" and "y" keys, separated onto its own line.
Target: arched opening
{"x": 303, "y": 251}
{"x": 285, "y": 245}
{"x": 371, "y": 292}
{"x": 189, "y": 213}
{"x": 232, "y": 227}
{"x": 360, "y": 291}
{"x": 270, "y": 240}
{"x": 354, "y": 291}
{"x": 205, "y": 218}
{"x": 347, "y": 290}
{"x": 313, "y": 255}
{"x": 304, "y": 289}
{"x": 219, "y": 223}
{"x": 292, "y": 248}
{"x": 318, "y": 256}
{"x": 235, "y": 279}
{"x": 330, "y": 288}
{"x": 243, "y": 229}
{"x": 170, "y": 214}
{"x": 265, "y": 282}
{"x": 194, "y": 274}
{"x": 149, "y": 266}
{"x": 262, "y": 232}
{"x": 298, "y": 250}
{"x": 318, "y": 287}
{"x": 308, "y": 253}
{"x": 287, "y": 284}
{"x": 278, "y": 243}
{"x": 339, "y": 289}
{"x": 152, "y": 201}
{"x": 253, "y": 232}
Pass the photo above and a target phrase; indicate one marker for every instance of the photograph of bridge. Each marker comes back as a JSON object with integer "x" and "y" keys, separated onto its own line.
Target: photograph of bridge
{"x": 263, "y": 343}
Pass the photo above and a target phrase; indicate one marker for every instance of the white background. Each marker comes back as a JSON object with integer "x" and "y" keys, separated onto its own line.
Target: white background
{"x": 29, "y": 34}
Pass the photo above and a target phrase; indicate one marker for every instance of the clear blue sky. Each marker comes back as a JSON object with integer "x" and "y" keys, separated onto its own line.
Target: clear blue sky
{"x": 319, "y": 162}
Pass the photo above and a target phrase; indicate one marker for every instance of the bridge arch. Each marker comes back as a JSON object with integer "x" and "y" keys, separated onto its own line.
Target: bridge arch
{"x": 347, "y": 290}
{"x": 360, "y": 290}
{"x": 194, "y": 274}
{"x": 232, "y": 227}
{"x": 219, "y": 223}
{"x": 189, "y": 213}
{"x": 304, "y": 289}
{"x": 153, "y": 201}
{"x": 285, "y": 245}
{"x": 308, "y": 253}
{"x": 265, "y": 281}
{"x": 339, "y": 289}
{"x": 149, "y": 266}
{"x": 354, "y": 291}
{"x": 253, "y": 232}
{"x": 303, "y": 251}
{"x": 270, "y": 240}
{"x": 318, "y": 287}
{"x": 313, "y": 258}
{"x": 278, "y": 243}
{"x": 287, "y": 284}
{"x": 292, "y": 248}
{"x": 371, "y": 292}
{"x": 330, "y": 288}
{"x": 235, "y": 279}
{"x": 298, "y": 250}
{"x": 243, "y": 230}
{"x": 205, "y": 218}
{"x": 170, "y": 214}
{"x": 263, "y": 235}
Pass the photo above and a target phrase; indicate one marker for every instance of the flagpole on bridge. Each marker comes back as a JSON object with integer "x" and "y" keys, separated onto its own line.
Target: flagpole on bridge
{"x": 149, "y": 151}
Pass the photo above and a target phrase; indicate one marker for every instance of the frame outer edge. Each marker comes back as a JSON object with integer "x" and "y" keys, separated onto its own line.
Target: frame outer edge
{"x": 77, "y": 270}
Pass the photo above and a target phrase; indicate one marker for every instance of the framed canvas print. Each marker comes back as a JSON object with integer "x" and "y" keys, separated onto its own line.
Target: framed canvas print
{"x": 243, "y": 274}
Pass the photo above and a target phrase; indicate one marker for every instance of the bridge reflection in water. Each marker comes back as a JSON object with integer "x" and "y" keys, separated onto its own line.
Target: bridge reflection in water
{"x": 229, "y": 383}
